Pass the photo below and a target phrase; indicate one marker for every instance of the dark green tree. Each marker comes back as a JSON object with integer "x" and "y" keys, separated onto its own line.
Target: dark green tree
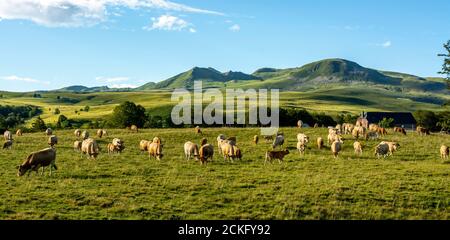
{"x": 38, "y": 124}
{"x": 386, "y": 123}
{"x": 426, "y": 119}
{"x": 446, "y": 65}
{"x": 127, "y": 114}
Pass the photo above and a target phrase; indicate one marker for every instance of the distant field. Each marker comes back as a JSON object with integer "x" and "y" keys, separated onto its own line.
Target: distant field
{"x": 412, "y": 184}
{"x": 333, "y": 100}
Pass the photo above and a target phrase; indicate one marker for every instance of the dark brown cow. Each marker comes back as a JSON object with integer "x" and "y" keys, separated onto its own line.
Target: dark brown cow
{"x": 270, "y": 155}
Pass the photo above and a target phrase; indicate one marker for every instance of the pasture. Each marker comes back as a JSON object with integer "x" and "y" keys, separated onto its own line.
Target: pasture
{"x": 412, "y": 184}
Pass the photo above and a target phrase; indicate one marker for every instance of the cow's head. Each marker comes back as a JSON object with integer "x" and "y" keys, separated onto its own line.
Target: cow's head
{"x": 21, "y": 170}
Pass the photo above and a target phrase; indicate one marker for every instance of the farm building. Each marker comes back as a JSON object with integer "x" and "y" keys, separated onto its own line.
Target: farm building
{"x": 401, "y": 119}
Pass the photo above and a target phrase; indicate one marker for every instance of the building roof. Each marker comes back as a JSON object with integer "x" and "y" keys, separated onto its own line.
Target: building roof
{"x": 399, "y": 117}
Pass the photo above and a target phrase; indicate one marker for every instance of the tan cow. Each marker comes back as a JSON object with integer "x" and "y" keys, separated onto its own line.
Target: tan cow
{"x": 302, "y": 141}
{"x": 198, "y": 130}
{"x": 19, "y": 132}
{"x": 77, "y": 133}
{"x": 256, "y": 139}
{"x": 100, "y": 133}
{"x": 7, "y": 135}
{"x": 155, "y": 150}
{"x": 191, "y": 150}
{"x": 332, "y": 137}
{"x": 111, "y": 148}
{"x": 373, "y": 127}
{"x": 231, "y": 152}
{"x": 134, "y": 128}
{"x": 319, "y": 143}
{"x": 348, "y": 128}
{"x": 393, "y": 147}
{"x": 48, "y": 132}
{"x": 220, "y": 139}
{"x": 143, "y": 145}
{"x": 358, "y": 148}
{"x": 85, "y": 135}
{"x": 77, "y": 145}
{"x": 118, "y": 144}
{"x": 270, "y": 155}
{"x": 43, "y": 158}
{"x": 336, "y": 147}
{"x": 444, "y": 152}
{"x": 52, "y": 140}
{"x": 90, "y": 147}
{"x": 359, "y": 132}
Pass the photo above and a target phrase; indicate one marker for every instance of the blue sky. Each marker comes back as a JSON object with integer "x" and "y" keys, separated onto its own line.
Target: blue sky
{"x": 56, "y": 43}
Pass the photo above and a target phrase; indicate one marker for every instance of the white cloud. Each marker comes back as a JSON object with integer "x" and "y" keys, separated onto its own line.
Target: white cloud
{"x": 192, "y": 30}
{"x": 112, "y": 79}
{"x": 386, "y": 44}
{"x": 77, "y": 13}
{"x": 123, "y": 86}
{"x": 24, "y": 79}
{"x": 169, "y": 23}
{"x": 235, "y": 28}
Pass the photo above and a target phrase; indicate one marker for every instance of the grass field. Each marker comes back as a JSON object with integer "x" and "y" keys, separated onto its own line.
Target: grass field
{"x": 412, "y": 184}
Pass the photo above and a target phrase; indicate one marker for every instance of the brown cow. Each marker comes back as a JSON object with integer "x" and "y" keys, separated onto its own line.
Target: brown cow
{"x": 400, "y": 130}
{"x": 270, "y": 155}
{"x": 198, "y": 130}
{"x": 206, "y": 151}
{"x": 422, "y": 131}
{"x": 382, "y": 131}
{"x": 38, "y": 159}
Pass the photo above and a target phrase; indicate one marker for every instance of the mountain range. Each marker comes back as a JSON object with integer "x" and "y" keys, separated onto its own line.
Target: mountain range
{"x": 314, "y": 75}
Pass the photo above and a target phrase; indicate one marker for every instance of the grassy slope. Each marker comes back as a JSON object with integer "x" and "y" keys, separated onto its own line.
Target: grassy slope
{"x": 334, "y": 99}
{"x": 413, "y": 184}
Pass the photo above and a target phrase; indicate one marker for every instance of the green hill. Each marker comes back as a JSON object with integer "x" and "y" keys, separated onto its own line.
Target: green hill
{"x": 314, "y": 75}
{"x": 209, "y": 76}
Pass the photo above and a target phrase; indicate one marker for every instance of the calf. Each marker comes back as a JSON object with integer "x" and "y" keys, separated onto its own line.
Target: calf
{"x": 270, "y": 155}
{"x": 319, "y": 143}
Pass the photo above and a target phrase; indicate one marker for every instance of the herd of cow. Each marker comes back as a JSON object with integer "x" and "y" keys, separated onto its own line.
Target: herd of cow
{"x": 227, "y": 147}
